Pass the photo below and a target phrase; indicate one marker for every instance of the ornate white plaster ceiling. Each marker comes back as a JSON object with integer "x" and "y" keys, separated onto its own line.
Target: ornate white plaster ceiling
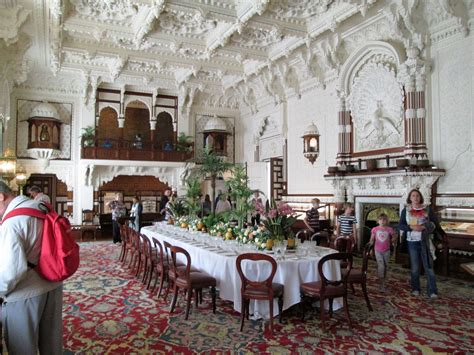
{"x": 205, "y": 42}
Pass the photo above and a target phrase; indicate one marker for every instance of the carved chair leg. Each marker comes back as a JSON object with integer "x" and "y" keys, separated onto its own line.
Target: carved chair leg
{"x": 162, "y": 281}
{"x": 243, "y": 310}
{"x": 366, "y": 295}
{"x": 196, "y": 297}
{"x": 213, "y": 296}
{"x": 280, "y": 307}
{"x": 188, "y": 302}
{"x": 175, "y": 298}
{"x": 321, "y": 310}
{"x": 270, "y": 302}
{"x": 346, "y": 310}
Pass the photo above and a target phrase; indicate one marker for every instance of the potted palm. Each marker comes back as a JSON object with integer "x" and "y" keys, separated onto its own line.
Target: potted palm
{"x": 184, "y": 143}
{"x": 88, "y": 136}
{"x": 240, "y": 194}
{"x": 193, "y": 193}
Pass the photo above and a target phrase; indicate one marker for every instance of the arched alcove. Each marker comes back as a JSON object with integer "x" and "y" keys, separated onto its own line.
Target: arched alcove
{"x": 107, "y": 128}
{"x": 164, "y": 129}
{"x": 137, "y": 121}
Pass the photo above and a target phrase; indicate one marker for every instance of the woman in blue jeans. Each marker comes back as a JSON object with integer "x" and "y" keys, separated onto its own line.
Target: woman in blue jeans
{"x": 418, "y": 221}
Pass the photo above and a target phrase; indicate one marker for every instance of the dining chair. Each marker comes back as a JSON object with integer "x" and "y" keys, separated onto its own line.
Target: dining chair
{"x": 148, "y": 260}
{"x": 161, "y": 266}
{"x": 265, "y": 290}
{"x": 191, "y": 282}
{"x": 359, "y": 275}
{"x": 328, "y": 289}
{"x": 344, "y": 244}
{"x": 303, "y": 235}
{"x": 167, "y": 247}
{"x": 124, "y": 244}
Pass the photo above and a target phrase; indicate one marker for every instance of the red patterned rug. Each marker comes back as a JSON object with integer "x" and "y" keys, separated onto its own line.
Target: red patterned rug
{"x": 106, "y": 310}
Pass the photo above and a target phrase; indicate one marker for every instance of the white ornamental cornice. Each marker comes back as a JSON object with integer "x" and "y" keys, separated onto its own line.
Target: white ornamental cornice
{"x": 455, "y": 201}
{"x": 12, "y": 20}
{"x": 390, "y": 184}
{"x": 181, "y": 21}
{"x": 143, "y": 23}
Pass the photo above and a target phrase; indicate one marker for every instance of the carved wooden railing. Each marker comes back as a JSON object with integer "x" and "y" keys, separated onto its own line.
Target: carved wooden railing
{"x": 112, "y": 149}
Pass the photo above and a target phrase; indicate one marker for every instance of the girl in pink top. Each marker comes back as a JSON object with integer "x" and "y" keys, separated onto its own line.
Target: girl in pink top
{"x": 383, "y": 236}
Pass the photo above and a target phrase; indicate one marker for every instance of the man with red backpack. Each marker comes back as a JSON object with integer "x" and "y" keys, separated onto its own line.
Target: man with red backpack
{"x": 31, "y": 312}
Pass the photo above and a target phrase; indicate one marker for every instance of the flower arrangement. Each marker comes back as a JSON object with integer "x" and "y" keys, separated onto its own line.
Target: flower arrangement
{"x": 279, "y": 217}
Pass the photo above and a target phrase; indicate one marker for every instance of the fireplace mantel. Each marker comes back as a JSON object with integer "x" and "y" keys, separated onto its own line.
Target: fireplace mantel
{"x": 383, "y": 183}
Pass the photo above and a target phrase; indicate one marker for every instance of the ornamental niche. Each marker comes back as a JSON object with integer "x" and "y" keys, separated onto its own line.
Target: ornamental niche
{"x": 376, "y": 104}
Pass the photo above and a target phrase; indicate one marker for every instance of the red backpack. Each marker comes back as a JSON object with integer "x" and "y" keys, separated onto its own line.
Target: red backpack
{"x": 59, "y": 257}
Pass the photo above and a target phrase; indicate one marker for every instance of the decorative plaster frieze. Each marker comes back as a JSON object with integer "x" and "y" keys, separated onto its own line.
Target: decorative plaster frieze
{"x": 392, "y": 184}
{"x": 185, "y": 22}
{"x": 12, "y": 19}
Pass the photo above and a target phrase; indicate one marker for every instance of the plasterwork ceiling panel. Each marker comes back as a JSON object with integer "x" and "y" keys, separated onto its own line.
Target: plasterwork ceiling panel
{"x": 106, "y": 10}
{"x": 181, "y": 22}
{"x": 377, "y": 107}
{"x": 65, "y": 115}
{"x": 298, "y": 9}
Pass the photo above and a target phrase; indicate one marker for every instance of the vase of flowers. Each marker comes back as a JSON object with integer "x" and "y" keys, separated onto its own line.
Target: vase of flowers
{"x": 278, "y": 219}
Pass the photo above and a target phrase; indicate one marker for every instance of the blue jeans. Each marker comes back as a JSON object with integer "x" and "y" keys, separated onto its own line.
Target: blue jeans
{"x": 416, "y": 252}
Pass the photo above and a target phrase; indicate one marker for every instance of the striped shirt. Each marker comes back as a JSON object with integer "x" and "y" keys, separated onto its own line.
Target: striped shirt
{"x": 345, "y": 224}
{"x": 312, "y": 216}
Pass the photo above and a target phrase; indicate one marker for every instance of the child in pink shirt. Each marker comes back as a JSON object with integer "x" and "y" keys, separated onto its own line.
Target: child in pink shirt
{"x": 383, "y": 236}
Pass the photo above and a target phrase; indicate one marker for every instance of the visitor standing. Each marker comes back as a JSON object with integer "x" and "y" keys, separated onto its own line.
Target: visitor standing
{"x": 206, "y": 206}
{"x": 257, "y": 204}
{"x": 223, "y": 205}
{"x": 136, "y": 213}
{"x": 164, "y": 200}
{"x": 31, "y": 308}
{"x": 312, "y": 219}
{"x": 418, "y": 222}
{"x": 118, "y": 211}
{"x": 37, "y": 194}
{"x": 346, "y": 223}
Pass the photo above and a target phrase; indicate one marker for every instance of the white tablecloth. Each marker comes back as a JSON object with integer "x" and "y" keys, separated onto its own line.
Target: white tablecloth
{"x": 220, "y": 263}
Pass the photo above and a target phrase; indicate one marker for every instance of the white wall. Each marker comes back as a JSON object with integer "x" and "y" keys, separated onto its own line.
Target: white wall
{"x": 452, "y": 109}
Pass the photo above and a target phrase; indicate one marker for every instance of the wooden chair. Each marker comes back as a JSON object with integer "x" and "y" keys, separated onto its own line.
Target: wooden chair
{"x": 303, "y": 235}
{"x": 179, "y": 265}
{"x": 161, "y": 266}
{"x": 265, "y": 290}
{"x": 148, "y": 260}
{"x": 191, "y": 282}
{"x": 359, "y": 276}
{"x": 134, "y": 249}
{"x": 344, "y": 244}
{"x": 88, "y": 225}
{"x": 124, "y": 234}
{"x": 327, "y": 289}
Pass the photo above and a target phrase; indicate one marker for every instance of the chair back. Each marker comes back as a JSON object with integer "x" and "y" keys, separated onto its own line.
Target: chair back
{"x": 124, "y": 233}
{"x": 303, "y": 234}
{"x": 158, "y": 249}
{"x": 344, "y": 275}
{"x": 167, "y": 252}
{"x": 365, "y": 260}
{"x": 87, "y": 216}
{"x": 344, "y": 245}
{"x": 146, "y": 245}
{"x": 263, "y": 285}
{"x": 182, "y": 272}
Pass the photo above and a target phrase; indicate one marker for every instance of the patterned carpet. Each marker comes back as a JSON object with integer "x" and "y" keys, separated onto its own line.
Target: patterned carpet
{"x": 108, "y": 311}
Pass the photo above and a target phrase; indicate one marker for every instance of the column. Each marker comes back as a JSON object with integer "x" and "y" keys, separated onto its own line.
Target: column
{"x": 412, "y": 75}
{"x": 345, "y": 130}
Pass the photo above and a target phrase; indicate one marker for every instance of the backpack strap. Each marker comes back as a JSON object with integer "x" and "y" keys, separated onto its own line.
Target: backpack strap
{"x": 24, "y": 211}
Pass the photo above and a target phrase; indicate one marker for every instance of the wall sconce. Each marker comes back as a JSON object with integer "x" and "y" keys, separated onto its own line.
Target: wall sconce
{"x": 20, "y": 178}
{"x": 311, "y": 143}
{"x": 8, "y": 166}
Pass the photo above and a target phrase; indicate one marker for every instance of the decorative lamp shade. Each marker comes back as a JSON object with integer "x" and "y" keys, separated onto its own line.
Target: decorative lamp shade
{"x": 8, "y": 165}
{"x": 311, "y": 143}
{"x": 20, "y": 176}
{"x": 215, "y": 136}
{"x": 44, "y": 127}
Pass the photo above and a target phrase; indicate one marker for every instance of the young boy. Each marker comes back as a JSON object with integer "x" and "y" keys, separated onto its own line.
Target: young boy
{"x": 383, "y": 236}
{"x": 312, "y": 219}
{"x": 346, "y": 223}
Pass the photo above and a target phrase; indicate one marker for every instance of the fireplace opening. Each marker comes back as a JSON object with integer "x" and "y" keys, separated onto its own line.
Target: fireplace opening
{"x": 370, "y": 214}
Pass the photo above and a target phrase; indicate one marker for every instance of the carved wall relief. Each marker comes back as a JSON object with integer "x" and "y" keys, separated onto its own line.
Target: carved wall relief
{"x": 376, "y": 104}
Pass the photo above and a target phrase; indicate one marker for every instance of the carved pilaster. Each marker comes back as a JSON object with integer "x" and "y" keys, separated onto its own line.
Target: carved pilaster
{"x": 413, "y": 76}
{"x": 345, "y": 129}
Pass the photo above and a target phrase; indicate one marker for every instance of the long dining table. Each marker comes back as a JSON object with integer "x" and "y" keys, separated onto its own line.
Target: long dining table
{"x": 218, "y": 258}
